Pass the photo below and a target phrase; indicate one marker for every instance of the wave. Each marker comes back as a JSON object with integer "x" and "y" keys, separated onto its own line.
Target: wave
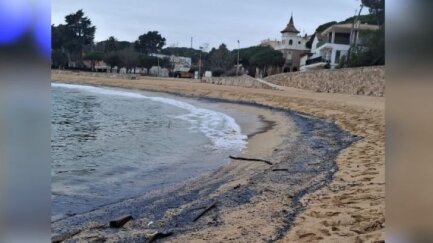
{"x": 221, "y": 129}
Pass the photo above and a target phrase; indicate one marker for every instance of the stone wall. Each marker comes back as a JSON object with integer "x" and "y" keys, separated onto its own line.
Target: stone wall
{"x": 97, "y": 74}
{"x": 109, "y": 75}
{"x": 243, "y": 81}
{"x": 355, "y": 81}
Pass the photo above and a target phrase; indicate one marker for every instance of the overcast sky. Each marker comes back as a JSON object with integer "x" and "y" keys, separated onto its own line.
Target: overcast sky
{"x": 207, "y": 21}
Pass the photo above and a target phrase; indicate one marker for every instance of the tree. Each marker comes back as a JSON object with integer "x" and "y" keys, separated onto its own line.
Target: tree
{"x": 261, "y": 57}
{"x": 58, "y": 37}
{"x": 221, "y": 58}
{"x": 367, "y": 19}
{"x": 113, "y": 60}
{"x": 148, "y": 61}
{"x": 149, "y": 43}
{"x": 377, "y": 8}
{"x": 111, "y": 44}
{"x": 267, "y": 57}
{"x": 74, "y": 35}
{"x": 125, "y": 44}
{"x": 129, "y": 59}
{"x": 165, "y": 63}
{"x": 371, "y": 52}
{"x": 80, "y": 32}
{"x": 93, "y": 57}
{"x": 324, "y": 26}
{"x": 80, "y": 27}
{"x": 59, "y": 59}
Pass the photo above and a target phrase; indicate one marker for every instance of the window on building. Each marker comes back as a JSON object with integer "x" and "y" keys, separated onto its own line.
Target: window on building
{"x": 299, "y": 42}
{"x": 337, "y": 57}
{"x": 342, "y": 38}
{"x": 290, "y": 42}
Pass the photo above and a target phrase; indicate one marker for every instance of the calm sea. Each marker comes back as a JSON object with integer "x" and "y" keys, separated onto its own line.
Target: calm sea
{"x": 112, "y": 144}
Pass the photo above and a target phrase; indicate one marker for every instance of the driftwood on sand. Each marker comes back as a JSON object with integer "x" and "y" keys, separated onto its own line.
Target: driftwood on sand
{"x": 159, "y": 235}
{"x": 249, "y": 159}
{"x": 280, "y": 170}
{"x": 204, "y": 211}
{"x": 120, "y": 222}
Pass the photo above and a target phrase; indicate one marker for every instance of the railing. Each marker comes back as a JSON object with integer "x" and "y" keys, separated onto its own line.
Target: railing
{"x": 316, "y": 60}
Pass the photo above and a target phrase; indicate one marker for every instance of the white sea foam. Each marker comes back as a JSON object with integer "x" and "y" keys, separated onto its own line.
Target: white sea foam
{"x": 220, "y": 128}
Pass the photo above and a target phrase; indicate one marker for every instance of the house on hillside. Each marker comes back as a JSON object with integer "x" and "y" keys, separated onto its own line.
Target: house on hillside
{"x": 292, "y": 45}
{"x": 329, "y": 46}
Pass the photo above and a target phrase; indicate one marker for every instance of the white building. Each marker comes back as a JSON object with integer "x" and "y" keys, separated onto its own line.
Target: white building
{"x": 158, "y": 71}
{"x": 333, "y": 43}
{"x": 292, "y": 45}
{"x": 97, "y": 66}
{"x": 180, "y": 64}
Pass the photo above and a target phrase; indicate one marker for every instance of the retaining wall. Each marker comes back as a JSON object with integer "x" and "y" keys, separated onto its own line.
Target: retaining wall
{"x": 355, "y": 81}
{"x": 243, "y": 81}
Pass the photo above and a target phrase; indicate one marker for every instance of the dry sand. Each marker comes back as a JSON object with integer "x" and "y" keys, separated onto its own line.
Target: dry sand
{"x": 350, "y": 208}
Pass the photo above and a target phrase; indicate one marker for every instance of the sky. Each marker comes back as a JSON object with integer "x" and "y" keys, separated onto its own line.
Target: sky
{"x": 207, "y": 21}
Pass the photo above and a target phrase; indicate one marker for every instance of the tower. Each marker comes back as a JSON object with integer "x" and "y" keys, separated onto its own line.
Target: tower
{"x": 290, "y": 28}
{"x": 289, "y": 36}
{"x": 292, "y": 46}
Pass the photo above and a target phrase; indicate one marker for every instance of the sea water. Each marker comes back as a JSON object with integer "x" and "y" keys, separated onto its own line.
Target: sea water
{"x": 111, "y": 144}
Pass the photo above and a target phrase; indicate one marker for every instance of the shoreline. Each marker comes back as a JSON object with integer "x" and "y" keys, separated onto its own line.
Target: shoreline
{"x": 250, "y": 121}
{"x": 296, "y": 102}
{"x": 267, "y": 122}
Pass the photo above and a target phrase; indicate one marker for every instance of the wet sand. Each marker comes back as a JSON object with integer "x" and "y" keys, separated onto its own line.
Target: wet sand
{"x": 347, "y": 207}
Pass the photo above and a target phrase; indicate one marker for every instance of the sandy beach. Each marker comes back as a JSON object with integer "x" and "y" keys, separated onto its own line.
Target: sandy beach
{"x": 349, "y": 207}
